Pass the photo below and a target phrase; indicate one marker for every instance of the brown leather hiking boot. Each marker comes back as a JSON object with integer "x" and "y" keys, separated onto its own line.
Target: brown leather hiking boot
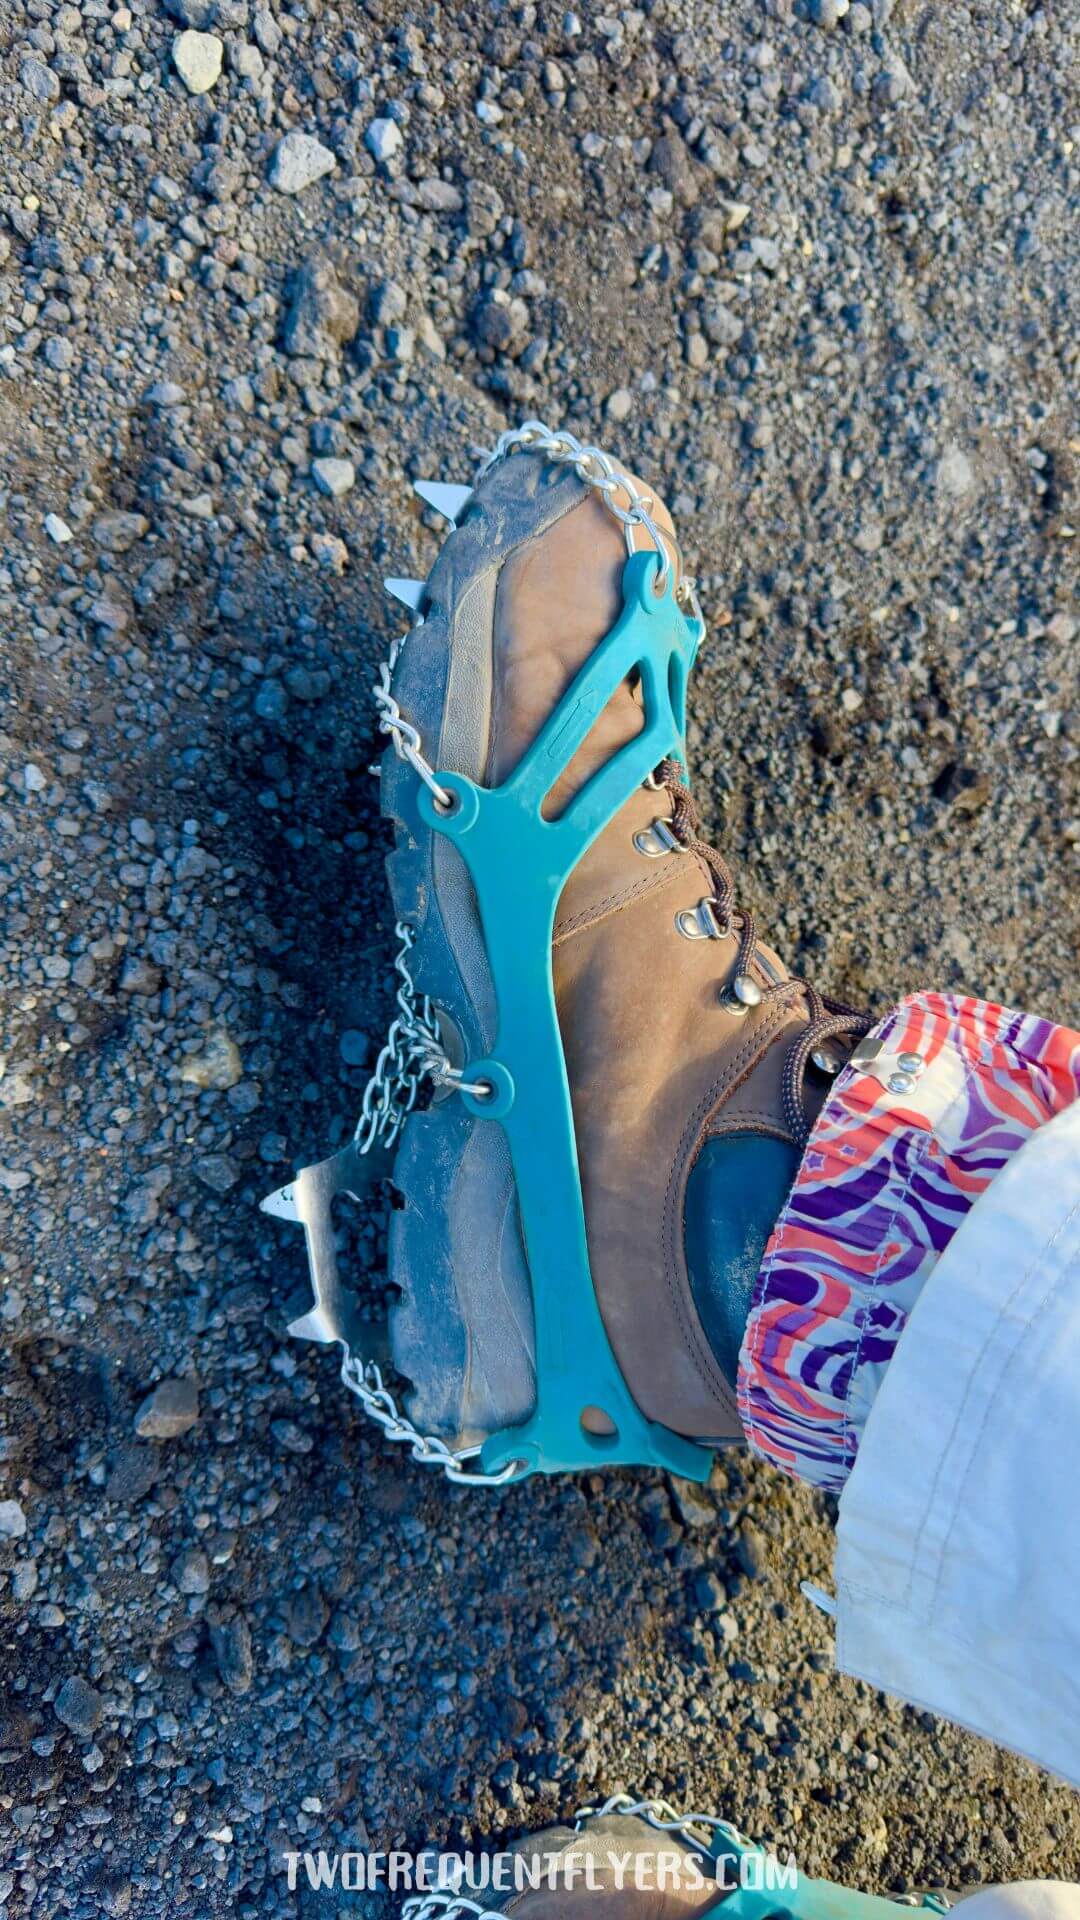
{"x": 686, "y": 1043}
{"x": 615, "y": 1868}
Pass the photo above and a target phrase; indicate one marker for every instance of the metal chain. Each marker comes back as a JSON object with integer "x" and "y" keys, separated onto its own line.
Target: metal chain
{"x": 665, "y": 1818}
{"x": 364, "y": 1378}
{"x": 404, "y": 736}
{"x": 412, "y": 1052}
{"x": 595, "y": 469}
{"x": 447, "y": 1906}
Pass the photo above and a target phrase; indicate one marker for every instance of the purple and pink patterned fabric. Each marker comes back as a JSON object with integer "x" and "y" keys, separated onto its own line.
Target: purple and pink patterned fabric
{"x": 884, "y": 1184}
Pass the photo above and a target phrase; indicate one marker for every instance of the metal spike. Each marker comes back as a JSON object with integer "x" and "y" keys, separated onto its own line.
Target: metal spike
{"x": 281, "y": 1204}
{"x": 446, "y": 498}
{"x": 409, "y": 592}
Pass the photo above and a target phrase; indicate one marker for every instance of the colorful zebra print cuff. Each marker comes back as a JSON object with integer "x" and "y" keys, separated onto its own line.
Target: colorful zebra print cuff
{"x": 894, "y": 1163}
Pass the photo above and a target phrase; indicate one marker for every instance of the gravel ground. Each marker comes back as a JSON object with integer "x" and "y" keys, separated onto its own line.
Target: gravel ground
{"x": 808, "y": 265}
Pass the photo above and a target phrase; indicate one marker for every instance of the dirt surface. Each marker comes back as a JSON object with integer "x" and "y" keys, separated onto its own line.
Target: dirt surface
{"x": 813, "y": 268}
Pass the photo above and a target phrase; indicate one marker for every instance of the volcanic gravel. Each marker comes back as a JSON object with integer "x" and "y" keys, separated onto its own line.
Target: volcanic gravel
{"x": 809, "y": 266}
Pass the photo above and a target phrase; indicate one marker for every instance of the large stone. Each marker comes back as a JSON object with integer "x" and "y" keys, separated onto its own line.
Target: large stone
{"x": 217, "y": 1068}
{"x": 117, "y": 531}
{"x": 334, "y": 477}
{"x": 323, "y": 315}
{"x": 169, "y": 1411}
{"x": 297, "y": 161}
{"x": 383, "y": 139}
{"x": 197, "y": 58}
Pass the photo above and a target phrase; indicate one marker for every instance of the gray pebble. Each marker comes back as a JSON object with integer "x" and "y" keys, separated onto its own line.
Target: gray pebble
{"x": 79, "y": 1707}
{"x": 12, "y": 1520}
{"x": 231, "y": 1641}
{"x": 170, "y": 1410}
{"x": 299, "y": 159}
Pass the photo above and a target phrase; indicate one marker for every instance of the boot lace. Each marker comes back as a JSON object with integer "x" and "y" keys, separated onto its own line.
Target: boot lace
{"x": 826, "y": 1019}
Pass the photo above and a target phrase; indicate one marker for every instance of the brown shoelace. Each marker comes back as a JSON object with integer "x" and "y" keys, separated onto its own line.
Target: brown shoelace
{"x": 826, "y": 1019}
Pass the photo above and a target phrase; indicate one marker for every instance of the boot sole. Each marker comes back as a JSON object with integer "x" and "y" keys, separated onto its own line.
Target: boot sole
{"x": 461, "y": 1330}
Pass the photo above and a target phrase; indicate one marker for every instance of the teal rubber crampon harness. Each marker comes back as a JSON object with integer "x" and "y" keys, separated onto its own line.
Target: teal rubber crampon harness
{"x": 518, "y": 862}
{"x": 754, "y": 1884}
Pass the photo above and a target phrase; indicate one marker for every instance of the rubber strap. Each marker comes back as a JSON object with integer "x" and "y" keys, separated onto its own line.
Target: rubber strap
{"x": 519, "y": 864}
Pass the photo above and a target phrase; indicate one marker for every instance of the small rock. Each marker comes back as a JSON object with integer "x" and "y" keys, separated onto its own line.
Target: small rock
{"x": 955, "y": 474}
{"x": 298, "y": 161}
{"x": 79, "y": 1707}
{"x": 721, "y": 325}
{"x": 670, "y": 158}
{"x": 291, "y": 1436}
{"x": 24, "y": 1580}
{"x": 620, "y": 404}
{"x": 307, "y": 1616}
{"x": 164, "y": 393}
{"x": 13, "y": 1180}
{"x": 197, "y": 58}
{"x": 659, "y": 1523}
{"x": 58, "y": 530}
{"x": 334, "y": 477}
{"x": 751, "y": 1549}
{"x": 710, "y": 1594}
{"x": 39, "y": 80}
{"x": 500, "y": 324}
{"x": 694, "y": 1504}
{"x": 344, "y": 1633}
{"x": 12, "y": 1520}
{"x": 828, "y": 13}
{"x": 217, "y": 1172}
{"x": 231, "y": 1641}
{"x": 117, "y": 531}
{"x": 193, "y": 13}
{"x": 383, "y": 139}
{"x": 353, "y": 1047}
{"x": 172, "y": 1409}
{"x": 328, "y": 552}
{"x": 322, "y": 314}
{"x": 439, "y": 196}
{"x": 138, "y": 976}
{"x": 217, "y": 1067}
{"x": 134, "y": 1470}
{"x": 191, "y": 1572}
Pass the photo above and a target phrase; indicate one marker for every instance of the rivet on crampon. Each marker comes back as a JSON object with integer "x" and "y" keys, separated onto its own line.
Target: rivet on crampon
{"x": 445, "y": 497}
{"x": 409, "y": 592}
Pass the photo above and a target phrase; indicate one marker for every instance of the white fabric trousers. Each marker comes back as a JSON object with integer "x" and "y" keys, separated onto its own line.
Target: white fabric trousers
{"x": 958, "y": 1547}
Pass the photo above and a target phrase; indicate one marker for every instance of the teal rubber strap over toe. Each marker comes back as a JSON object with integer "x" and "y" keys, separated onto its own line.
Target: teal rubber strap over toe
{"x": 519, "y": 863}
{"x": 761, "y": 1890}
